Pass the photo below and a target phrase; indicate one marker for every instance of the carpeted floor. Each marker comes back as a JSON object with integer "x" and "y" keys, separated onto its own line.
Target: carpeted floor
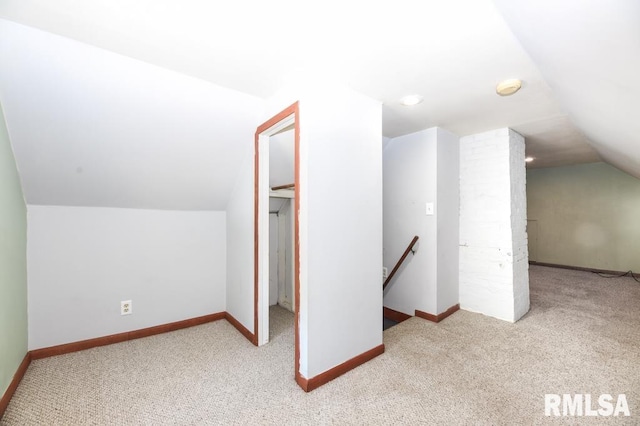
{"x": 582, "y": 335}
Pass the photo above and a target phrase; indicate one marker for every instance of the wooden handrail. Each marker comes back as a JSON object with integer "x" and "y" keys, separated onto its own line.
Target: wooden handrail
{"x": 404, "y": 256}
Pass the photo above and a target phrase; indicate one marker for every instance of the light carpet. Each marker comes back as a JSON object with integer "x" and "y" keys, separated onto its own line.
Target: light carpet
{"x": 582, "y": 335}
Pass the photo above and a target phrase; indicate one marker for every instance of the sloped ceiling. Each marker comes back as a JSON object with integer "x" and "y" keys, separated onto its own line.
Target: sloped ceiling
{"x": 153, "y": 103}
{"x": 93, "y": 128}
{"x": 589, "y": 53}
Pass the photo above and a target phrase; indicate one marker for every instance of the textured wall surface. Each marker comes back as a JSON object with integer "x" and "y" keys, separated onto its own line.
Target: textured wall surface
{"x": 493, "y": 240}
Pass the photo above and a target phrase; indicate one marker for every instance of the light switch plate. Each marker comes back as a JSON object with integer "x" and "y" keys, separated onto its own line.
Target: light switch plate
{"x": 429, "y": 209}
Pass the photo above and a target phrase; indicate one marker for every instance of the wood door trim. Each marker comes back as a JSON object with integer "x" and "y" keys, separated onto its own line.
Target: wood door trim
{"x": 123, "y": 337}
{"x": 440, "y": 316}
{"x": 315, "y": 382}
{"x": 394, "y": 315}
{"x": 17, "y": 378}
{"x": 578, "y": 268}
{"x": 294, "y": 110}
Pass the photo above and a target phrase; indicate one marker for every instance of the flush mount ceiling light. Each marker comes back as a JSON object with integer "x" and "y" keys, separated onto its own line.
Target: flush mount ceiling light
{"x": 411, "y": 100}
{"x": 529, "y": 159}
{"x": 508, "y": 87}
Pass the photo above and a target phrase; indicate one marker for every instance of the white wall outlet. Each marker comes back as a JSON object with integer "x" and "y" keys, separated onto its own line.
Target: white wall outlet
{"x": 126, "y": 308}
{"x": 429, "y": 209}
{"x": 385, "y": 272}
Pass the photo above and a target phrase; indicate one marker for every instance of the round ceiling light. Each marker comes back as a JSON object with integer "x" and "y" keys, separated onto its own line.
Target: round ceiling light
{"x": 529, "y": 159}
{"x": 508, "y": 87}
{"x": 411, "y": 100}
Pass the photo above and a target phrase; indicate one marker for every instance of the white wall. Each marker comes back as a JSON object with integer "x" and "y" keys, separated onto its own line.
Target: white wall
{"x": 281, "y": 252}
{"x": 82, "y": 261}
{"x": 410, "y": 181}
{"x": 340, "y": 222}
{"x": 281, "y": 158}
{"x": 273, "y": 258}
{"x": 494, "y": 276}
{"x": 448, "y": 216}
{"x": 341, "y": 204}
{"x": 422, "y": 168}
{"x": 519, "y": 238}
{"x": 287, "y": 289}
{"x": 240, "y": 241}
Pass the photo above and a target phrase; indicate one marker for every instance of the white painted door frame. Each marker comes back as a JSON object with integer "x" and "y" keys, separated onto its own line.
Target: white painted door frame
{"x": 286, "y": 247}
{"x": 263, "y": 226}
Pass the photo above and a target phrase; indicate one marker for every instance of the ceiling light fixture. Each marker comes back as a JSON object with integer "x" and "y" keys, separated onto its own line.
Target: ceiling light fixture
{"x": 411, "y": 100}
{"x": 529, "y": 159}
{"x": 508, "y": 87}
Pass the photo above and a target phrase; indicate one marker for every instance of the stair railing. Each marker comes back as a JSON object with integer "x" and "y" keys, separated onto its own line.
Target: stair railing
{"x": 404, "y": 256}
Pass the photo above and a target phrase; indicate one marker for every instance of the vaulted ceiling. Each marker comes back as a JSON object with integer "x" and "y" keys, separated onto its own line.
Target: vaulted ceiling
{"x": 152, "y": 104}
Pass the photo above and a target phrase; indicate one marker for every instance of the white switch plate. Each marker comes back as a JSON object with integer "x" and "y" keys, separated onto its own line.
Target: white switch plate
{"x": 385, "y": 272}
{"x": 429, "y": 209}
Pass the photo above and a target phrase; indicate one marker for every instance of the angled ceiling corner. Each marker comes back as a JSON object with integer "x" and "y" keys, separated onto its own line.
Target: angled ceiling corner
{"x": 589, "y": 54}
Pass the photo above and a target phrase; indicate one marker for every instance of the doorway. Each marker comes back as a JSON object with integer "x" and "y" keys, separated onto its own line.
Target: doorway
{"x": 281, "y": 287}
{"x": 267, "y": 182}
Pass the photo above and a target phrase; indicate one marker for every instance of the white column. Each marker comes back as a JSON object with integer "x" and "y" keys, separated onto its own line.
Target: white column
{"x": 494, "y": 277}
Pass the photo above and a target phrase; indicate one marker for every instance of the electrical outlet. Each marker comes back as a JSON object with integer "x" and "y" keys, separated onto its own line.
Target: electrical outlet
{"x": 385, "y": 272}
{"x": 126, "y": 308}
